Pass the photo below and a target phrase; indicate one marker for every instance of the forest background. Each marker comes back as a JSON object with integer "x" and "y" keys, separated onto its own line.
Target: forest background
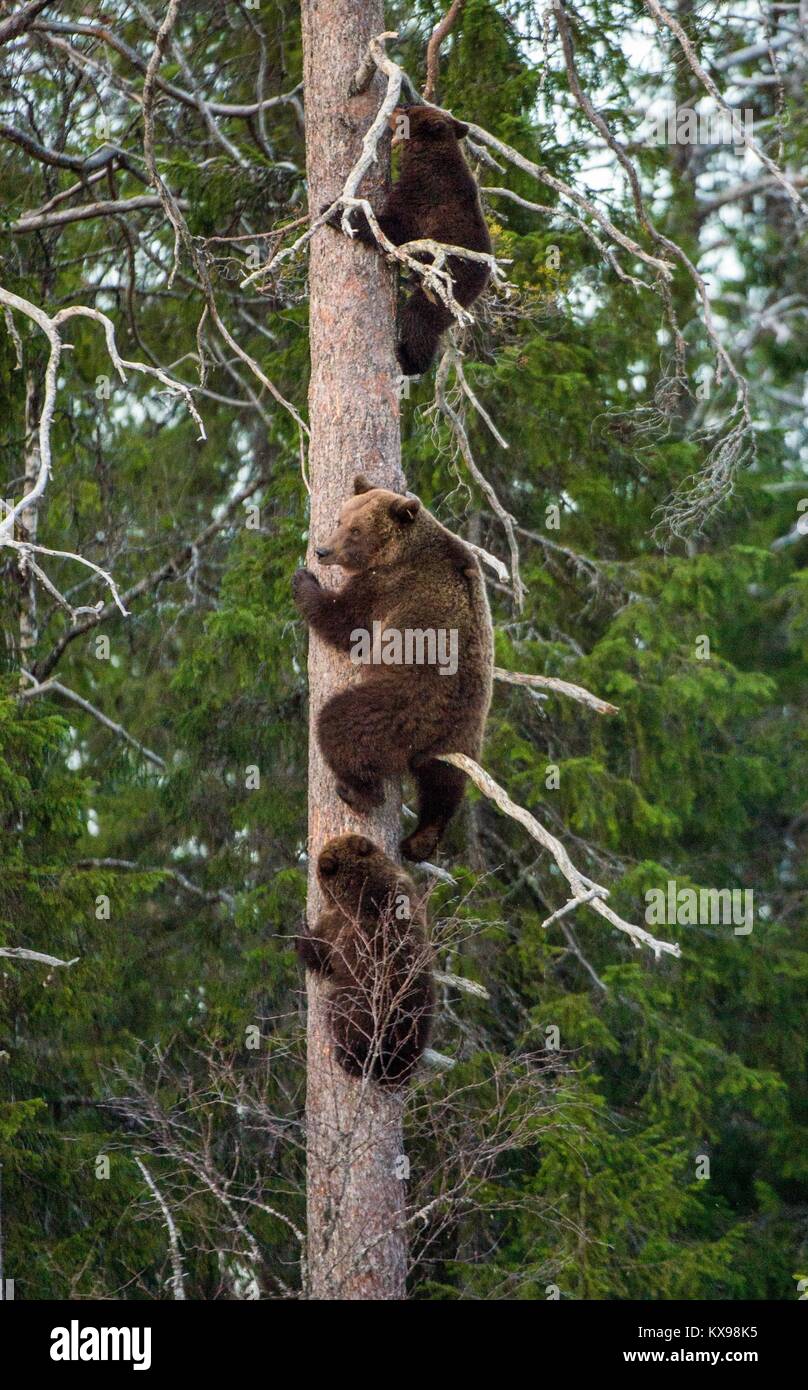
{"x": 659, "y": 1150}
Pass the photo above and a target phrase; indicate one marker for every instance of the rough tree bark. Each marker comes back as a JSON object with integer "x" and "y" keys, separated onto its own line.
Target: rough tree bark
{"x": 357, "y": 1246}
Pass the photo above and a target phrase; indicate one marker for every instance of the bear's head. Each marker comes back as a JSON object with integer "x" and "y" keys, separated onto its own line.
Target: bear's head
{"x": 353, "y": 870}
{"x": 420, "y": 125}
{"x": 375, "y": 529}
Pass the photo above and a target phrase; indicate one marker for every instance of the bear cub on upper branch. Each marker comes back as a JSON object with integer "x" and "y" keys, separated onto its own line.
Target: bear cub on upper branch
{"x": 370, "y": 945}
{"x": 423, "y": 588}
{"x": 436, "y": 196}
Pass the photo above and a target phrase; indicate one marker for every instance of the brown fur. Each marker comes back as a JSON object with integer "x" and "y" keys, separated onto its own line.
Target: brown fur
{"x": 436, "y": 196}
{"x": 370, "y": 945}
{"x": 407, "y": 572}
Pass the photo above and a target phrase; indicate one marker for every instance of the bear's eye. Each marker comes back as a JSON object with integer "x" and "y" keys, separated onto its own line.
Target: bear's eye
{"x": 354, "y": 530}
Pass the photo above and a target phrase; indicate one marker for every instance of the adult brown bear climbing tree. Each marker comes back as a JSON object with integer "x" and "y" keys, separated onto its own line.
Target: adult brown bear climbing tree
{"x": 410, "y": 580}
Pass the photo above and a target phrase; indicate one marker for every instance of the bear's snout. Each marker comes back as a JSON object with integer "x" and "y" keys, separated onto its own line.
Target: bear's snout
{"x": 322, "y": 551}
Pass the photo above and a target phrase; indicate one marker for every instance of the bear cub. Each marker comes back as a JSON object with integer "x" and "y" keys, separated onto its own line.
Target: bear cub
{"x": 370, "y": 946}
{"x": 416, "y": 590}
{"x": 436, "y": 196}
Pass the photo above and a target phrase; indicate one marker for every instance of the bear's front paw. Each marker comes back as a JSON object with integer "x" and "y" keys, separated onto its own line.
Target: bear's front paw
{"x": 304, "y": 587}
{"x": 420, "y": 845}
{"x": 313, "y": 953}
{"x": 361, "y": 797}
{"x": 335, "y": 218}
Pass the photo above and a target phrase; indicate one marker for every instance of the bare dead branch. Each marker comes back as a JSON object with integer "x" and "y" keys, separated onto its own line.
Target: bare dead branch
{"x": 178, "y": 1273}
{"x": 701, "y": 495}
{"x": 445, "y": 407}
{"x": 739, "y": 192}
{"x": 22, "y": 953}
{"x": 170, "y": 570}
{"x": 377, "y": 128}
{"x": 663, "y": 17}
{"x": 87, "y": 211}
{"x": 183, "y": 236}
{"x": 477, "y": 404}
{"x": 561, "y": 211}
{"x": 56, "y": 688}
{"x": 91, "y": 166}
{"x": 500, "y": 569}
{"x": 167, "y": 200}
{"x": 436, "y": 38}
{"x": 575, "y": 692}
{"x": 438, "y": 1061}
{"x": 241, "y": 110}
{"x": 50, "y": 327}
{"x": 566, "y": 191}
{"x": 21, "y": 20}
{"x": 459, "y": 982}
{"x": 571, "y": 905}
{"x": 580, "y": 884}
{"x": 215, "y": 895}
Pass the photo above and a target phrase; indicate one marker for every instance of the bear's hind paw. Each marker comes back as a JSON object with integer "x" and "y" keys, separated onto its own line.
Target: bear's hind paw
{"x": 360, "y": 798}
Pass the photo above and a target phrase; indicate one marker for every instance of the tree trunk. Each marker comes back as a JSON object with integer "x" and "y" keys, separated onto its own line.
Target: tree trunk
{"x": 357, "y": 1246}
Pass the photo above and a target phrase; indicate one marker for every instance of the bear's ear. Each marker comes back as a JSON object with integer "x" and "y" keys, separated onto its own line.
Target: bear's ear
{"x": 405, "y": 509}
{"x": 328, "y": 863}
{"x": 363, "y": 846}
{"x": 361, "y": 484}
{"x": 460, "y": 129}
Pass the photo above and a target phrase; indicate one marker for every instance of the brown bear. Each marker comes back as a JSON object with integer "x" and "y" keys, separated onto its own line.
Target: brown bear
{"x": 414, "y": 613}
{"x": 370, "y": 945}
{"x": 436, "y": 196}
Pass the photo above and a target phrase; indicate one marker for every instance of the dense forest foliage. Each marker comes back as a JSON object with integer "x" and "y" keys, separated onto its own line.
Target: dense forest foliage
{"x": 616, "y": 1126}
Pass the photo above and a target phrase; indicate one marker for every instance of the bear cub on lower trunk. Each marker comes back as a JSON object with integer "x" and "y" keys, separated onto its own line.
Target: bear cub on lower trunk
{"x": 370, "y": 945}
{"x": 435, "y": 197}
{"x": 415, "y": 594}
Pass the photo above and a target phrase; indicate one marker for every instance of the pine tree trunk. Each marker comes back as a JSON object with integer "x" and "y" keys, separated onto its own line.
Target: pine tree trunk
{"x": 357, "y": 1247}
